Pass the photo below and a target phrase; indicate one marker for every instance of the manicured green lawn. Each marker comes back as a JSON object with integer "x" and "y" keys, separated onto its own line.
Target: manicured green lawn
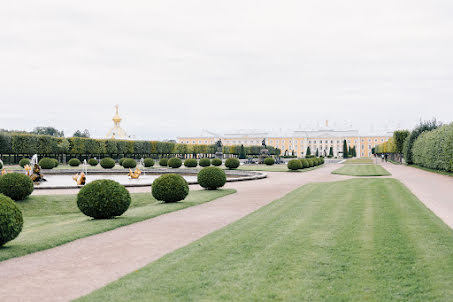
{"x": 273, "y": 168}
{"x": 363, "y": 160}
{"x": 53, "y": 220}
{"x": 362, "y": 170}
{"x": 355, "y": 240}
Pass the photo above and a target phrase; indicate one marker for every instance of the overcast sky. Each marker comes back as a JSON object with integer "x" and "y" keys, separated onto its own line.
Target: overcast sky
{"x": 177, "y": 67}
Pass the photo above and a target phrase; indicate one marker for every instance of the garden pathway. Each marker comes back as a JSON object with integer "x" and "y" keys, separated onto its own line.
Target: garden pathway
{"x": 82, "y": 266}
{"x": 434, "y": 190}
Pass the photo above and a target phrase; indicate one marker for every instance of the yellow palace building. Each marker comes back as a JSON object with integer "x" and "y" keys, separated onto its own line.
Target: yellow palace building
{"x": 298, "y": 140}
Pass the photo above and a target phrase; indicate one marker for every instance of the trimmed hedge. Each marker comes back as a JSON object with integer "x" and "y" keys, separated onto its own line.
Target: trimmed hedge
{"x": 17, "y": 186}
{"x": 170, "y": 188}
{"x": 148, "y": 162}
{"x": 129, "y": 163}
{"x": 174, "y": 162}
{"x": 56, "y": 162}
{"x": 311, "y": 162}
{"x": 191, "y": 163}
{"x": 107, "y": 163}
{"x": 412, "y": 137}
{"x": 269, "y": 161}
{"x": 74, "y": 162}
{"x": 93, "y": 162}
{"x": 47, "y": 163}
{"x": 120, "y": 162}
{"x": 232, "y": 163}
{"x": 24, "y": 161}
{"x": 434, "y": 149}
{"x": 163, "y": 162}
{"x": 204, "y": 162}
{"x": 211, "y": 178}
{"x": 294, "y": 164}
{"x": 11, "y": 220}
{"x": 103, "y": 198}
{"x": 216, "y": 162}
{"x": 304, "y": 163}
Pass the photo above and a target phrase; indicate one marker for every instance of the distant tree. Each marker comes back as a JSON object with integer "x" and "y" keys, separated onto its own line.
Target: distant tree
{"x": 48, "y": 131}
{"x": 354, "y": 152}
{"x": 278, "y": 152}
{"x": 331, "y": 151}
{"x": 292, "y": 153}
{"x": 308, "y": 153}
{"x": 317, "y": 152}
{"x": 345, "y": 149}
{"x": 79, "y": 133}
{"x": 399, "y": 137}
{"x": 242, "y": 154}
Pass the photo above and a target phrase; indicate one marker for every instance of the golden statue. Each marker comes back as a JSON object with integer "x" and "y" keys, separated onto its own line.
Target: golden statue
{"x": 80, "y": 179}
{"x": 117, "y": 131}
{"x": 4, "y": 172}
{"x": 28, "y": 170}
{"x": 136, "y": 174}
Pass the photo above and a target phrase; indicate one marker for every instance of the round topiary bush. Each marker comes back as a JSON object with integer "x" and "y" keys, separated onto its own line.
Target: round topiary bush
{"x": 170, "y": 188}
{"x": 47, "y": 163}
{"x": 310, "y": 162}
{"x": 163, "y": 162}
{"x": 174, "y": 162}
{"x": 211, "y": 178}
{"x": 107, "y": 163}
{"x": 120, "y": 162}
{"x": 190, "y": 163}
{"x": 317, "y": 161}
{"x": 269, "y": 161}
{"x": 305, "y": 163}
{"x": 103, "y": 198}
{"x": 11, "y": 220}
{"x": 93, "y": 162}
{"x": 16, "y": 186}
{"x": 148, "y": 162}
{"x": 294, "y": 164}
{"x": 56, "y": 162}
{"x": 204, "y": 162}
{"x": 74, "y": 162}
{"x": 232, "y": 163}
{"x": 216, "y": 162}
{"x": 24, "y": 161}
{"x": 129, "y": 163}
{"x": 322, "y": 160}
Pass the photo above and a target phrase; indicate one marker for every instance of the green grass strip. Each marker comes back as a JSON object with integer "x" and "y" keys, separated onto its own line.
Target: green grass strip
{"x": 355, "y": 240}
{"x": 53, "y": 220}
{"x": 362, "y": 160}
{"x": 362, "y": 170}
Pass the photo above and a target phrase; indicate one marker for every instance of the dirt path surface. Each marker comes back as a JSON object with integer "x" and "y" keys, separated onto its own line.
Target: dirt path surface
{"x": 434, "y": 190}
{"x": 79, "y": 267}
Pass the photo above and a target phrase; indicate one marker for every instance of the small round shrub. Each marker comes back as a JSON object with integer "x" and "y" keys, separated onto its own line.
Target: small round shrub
{"x": 93, "y": 162}
{"x": 322, "y": 160}
{"x": 120, "y": 162}
{"x": 47, "y": 163}
{"x": 163, "y": 162}
{"x": 211, "y": 178}
{"x": 216, "y": 162}
{"x": 174, "y": 162}
{"x": 24, "y": 161}
{"x": 17, "y": 186}
{"x": 56, "y": 162}
{"x": 148, "y": 162}
{"x": 269, "y": 161}
{"x": 232, "y": 163}
{"x": 107, "y": 163}
{"x": 129, "y": 163}
{"x": 305, "y": 163}
{"x": 11, "y": 220}
{"x": 294, "y": 164}
{"x": 170, "y": 188}
{"x": 103, "y": 198}
{"x": 310, "y": 162}
{"x": 204, "y": 162}
{"x": 190, "y": 163}
{"x": 74, "y": 162}
{"x": 317, "y": 161}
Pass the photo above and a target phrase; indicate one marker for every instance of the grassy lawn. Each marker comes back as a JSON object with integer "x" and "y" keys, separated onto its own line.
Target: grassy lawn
{"x": 273, "y": 168}
{"x": 355, "y": 240}
{"x": 362, "y": 170}
{"x": 363, "y": 160}
{"x": 53, "y": 220}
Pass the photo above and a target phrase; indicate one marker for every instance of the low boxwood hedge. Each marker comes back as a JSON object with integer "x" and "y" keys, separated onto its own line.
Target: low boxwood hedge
{"x": 294, "y": 164}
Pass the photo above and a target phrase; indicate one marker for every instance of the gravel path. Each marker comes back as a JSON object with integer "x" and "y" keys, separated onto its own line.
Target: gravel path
{"x": 434, "y": 190}
{"x": 79, "y": 267}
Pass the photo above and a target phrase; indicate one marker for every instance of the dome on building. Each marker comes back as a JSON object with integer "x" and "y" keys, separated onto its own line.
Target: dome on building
{"x": 117, "y": 132}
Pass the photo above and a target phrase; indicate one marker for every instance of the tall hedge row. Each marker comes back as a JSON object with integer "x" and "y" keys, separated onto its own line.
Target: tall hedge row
{"x": 20, "y": 143}
{"x": 434, "y": 149}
